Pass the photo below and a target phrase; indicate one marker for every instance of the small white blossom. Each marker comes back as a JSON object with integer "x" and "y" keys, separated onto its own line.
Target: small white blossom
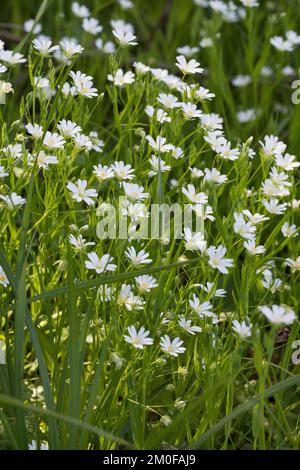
{"x": 138, "y": 339}
{"x": 172, "y": 347}
{"x": 190, "y": 67}
{"x": 81, "y": 193}
{"x": 100, "y": 265}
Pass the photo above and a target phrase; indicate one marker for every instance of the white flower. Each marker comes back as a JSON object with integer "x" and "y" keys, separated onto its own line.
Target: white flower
{"x": 242, "y": 228}
{"x": 13, "y": 201}
{"x": 3, "y": 172}
{"x": 2, "y": 68}
{"x": 158, "y": 165}
{"x": 274, "y": 207}
{"x": 141, "y": 68}
{"x": 172, "y": 348}
{"x": 202, "y": 309}
{"x": 272, "y": 189}
{"x": 286, "y": 162}
{"x": 33, "y": 446}
{"x": 209, "y": 286}
{"x": 103, "y": 172}
{"x": 214, "y": 176}
{"x": 135, "y": 211}
{"x": 120, "y": 24}
{"x": 269, "y": 283}
{"x": 82, "y": 142}
{"x": 3, "y": 278}
{"x": 91, "y": 25}
{"x": 295, "y": 203}
{"x": 43, "y": 46}
{"x": 53, "y": 140}
{"x": 281, "y": 44}
{"x": 126, "y": 4}
{"x": 190, "y": 67}
{"x": 187, "y": 51}
{"x": 246, "y": 116}
{"x": 11, "y": 58}
{"x": 80, "y": 193}
{"x": 171, "y": 81}
{"x": 80, "y": 10}
{"x": 272, "y": 146}
{"x": 29, "y": 26}
{"x": 159, "y": 74}
{"x": 214, "y": 137}
{"x": 134, "y": 191}
{"x": 125, "y": 294}
{"x": 241, "y": 80}
{"x": 129, "y": 300}
{"x": 166, "y": 420}
{"x": 100, "y": 265}
{"x": 79, "y": 242}
{"x": 168, "y": 101}
{"x": 253, "y": 249}
{"x": 289, "y": 230}
{"x": 211, "y": 122}
{"x": 293, "y": 37}
{"x": 195, "y": 172}
{"x": 194, "y": 242}
{"x": 279, "y": 179}
{"x": 187, "y": 326}
{"x": 225, "y": 151}
{"x": 177, "y": 152}
{"x": 67, "y": 90}
{"x": 206, "y": 42}
{"x": 120, "y": 78}
{"x": 138, "y": 339}
{"x": 84, "y": 84}
{"x": 70, "y": 48}
{"x": 97, "y": 144}
{"x": 5, "y": 87}
{"x": 35, "y": 130}
{"x": 255, "y": 218}
{"x": 190, "y": 111}
{"x": 41, "y": 82}
{"x": 43, "y": 160}
{"x": 137, "y": 258}
{"x": 68, "y": 128}
{"x": 294, "y": 263}
{"x": 159, "y": 114}
{"x": 124, "y": 38}
{"x": 266, "y": 71}
{"x": 116, "y": 358}
{"x": 13, "y": 150}
{"x": 107, "y": 47}
{"x": 61, "y": 57}
{"x": 242, "y": 329}
{"x": 203, "y": 212}
{"x": 123, "y": 171}
{"x": 146, "y": 283}
{"x": 279, "y": 314}
{"x": 196, "y": 198}
{"x": 217, "y": 260}
{"x": 203, "y": 94}
{"x": 250, "y": 3}
{"x": 159, "y": 145}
